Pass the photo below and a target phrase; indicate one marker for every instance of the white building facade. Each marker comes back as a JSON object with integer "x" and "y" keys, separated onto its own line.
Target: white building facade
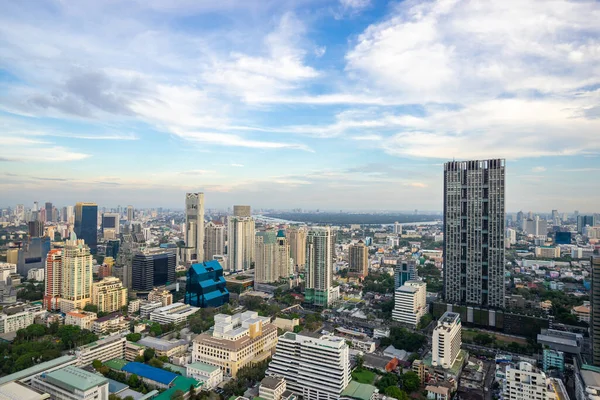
{"x": 446, "y": 340}
{"x": 410, "y": 302}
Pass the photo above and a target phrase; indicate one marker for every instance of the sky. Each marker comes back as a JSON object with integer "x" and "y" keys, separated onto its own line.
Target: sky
{"x": 330, "y": 104}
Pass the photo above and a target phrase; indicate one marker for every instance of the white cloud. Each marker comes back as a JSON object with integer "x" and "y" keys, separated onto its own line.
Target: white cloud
{"x": 538, "y": 169}
{"x": 23, "y": 149}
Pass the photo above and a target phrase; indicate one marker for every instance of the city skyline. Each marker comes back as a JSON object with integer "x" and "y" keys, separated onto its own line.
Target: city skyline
{"x": 141, "y": 102}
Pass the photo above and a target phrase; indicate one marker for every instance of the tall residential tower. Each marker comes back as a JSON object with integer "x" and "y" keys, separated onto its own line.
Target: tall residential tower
{"x": 319, "y": 266}
{"x": 194, "y": 224}
{"x": 240, "y": 239}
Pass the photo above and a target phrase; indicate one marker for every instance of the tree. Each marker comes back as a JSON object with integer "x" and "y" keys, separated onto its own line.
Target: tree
{"x": 410, "y": 382}
{"x": 96, "y": 364}
{"x": 387, "y": 380}
{"x": 91, "y": 308}
{"x": 395, "y": 392}
{"x": 133, "y": 381}
{"x": 360, "y": 362}
{"x": 148, "y": 354}
{"x": 156, "y": 363}
{"x": 133, "y": 337}
{"x": 155, "y": 330}
{"x": 139, "y": 359}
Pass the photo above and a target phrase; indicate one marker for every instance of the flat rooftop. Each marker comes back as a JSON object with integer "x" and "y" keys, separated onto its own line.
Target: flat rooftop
{"x": 73, "y": 378}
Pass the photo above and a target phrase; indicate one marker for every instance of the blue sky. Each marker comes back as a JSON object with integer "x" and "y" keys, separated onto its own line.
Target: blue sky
{"x": 331, "y": 104}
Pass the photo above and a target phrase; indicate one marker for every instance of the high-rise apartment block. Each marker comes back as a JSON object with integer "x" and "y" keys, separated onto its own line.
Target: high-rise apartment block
{"x": 446, "y": 340}
{"x": 214, "y": 240}
{"x": 315, "y": 368}
{"x": 53, "y": 283}
{"x": 595, "y": 315}
{"x": 297, "y": 239}
{"x": 474, "y": 231}
{"x": 77, "y": 275}
{"x": 130, "y": 213}
{"x": 240, "y": 239}
{"x": 283, "y": 260}
{"x": 358, "y": 260}
{"x": 86, "y": 224}
{"x": 152, "y": 267}
{"x": 410, "y": 302}
{"x": 319, "y": 267}
{"x": 265, "y": 254}
{"x": 109, "y": 295}
{"x": 194, "y": 224}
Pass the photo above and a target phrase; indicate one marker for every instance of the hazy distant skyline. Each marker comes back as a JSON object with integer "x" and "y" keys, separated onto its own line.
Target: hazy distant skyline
{"x": 330, "y": 104}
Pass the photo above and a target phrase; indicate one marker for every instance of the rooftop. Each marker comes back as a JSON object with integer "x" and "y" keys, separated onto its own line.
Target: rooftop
{"x": 73, "y": 378}
{"x": 360, "y": 391}
{"x": 161, "y": 344}
{"x": 203, "y": 367}
{"x": 109, "y": 317}
{"x": 116, "y": 364}
{"x": 146, "y": 371}
{"x": 16, "y": 390}
{"x": 271, "y": 382}
{"x": 36, "y": 369}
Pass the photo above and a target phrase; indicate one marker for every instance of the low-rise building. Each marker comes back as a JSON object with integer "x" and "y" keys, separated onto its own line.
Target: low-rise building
{"x": 286, "y": 324}
{"x": 582, "y": 312}
{"x": 82, "y": 319}
{"x": 155, "y": 377}
{"x": 147, "y": 307}
{"x": 271, "y": 388}
{"x": 16, "y": 321}
{"x": 236, "y": 341}
{"x": 161, "y": 295}
{"x": 163, "y": 347}
{"x": 133, "y": 306}
{"x": 175, "y": 313}
{"x": 18, "y": 390}
{"x": 114, "y": 322}
{"x": 554, "y": 359}
{"x": 133, "y": 350}
{"x": 72, "y": 383}
{"x": 547, "y": 252}
{"x": 438, "y": 391}
{"x": 210, "y": 375}
{"x": 103, "y": 350}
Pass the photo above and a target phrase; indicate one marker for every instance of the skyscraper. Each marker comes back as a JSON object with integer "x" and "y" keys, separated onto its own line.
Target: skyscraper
{"x": 36, "y": 229}
{"x": 358, "y": 259}
{"x": 406, "y": 270}
{"x": 265, "y": 255}
{"x": 214, "y": 240}
{"x": 86, "y": 224}
{"x": 240, "y": 239}
{"x": 110, "y": 225}
{"x": 585, "y": 220}
{"x": 474, "y": 233}
{"x": 130, "y": 213}
{"x": 297, "y": 240}
{"x": 151, "y": 268}
{"x": 283, "y": 260}
{"x": 595, "y": 317}
{"x": 49, "y": 213}
{"x": 70, "y": 215}
{"x": 194, "y": 224}
{"x": 319, "y": 266}
{"x": 77, "y": 275}
{"x": 53, "y": 280}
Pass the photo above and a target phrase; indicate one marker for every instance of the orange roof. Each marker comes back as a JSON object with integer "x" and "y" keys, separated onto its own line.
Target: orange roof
{"x": 582, "y": 309}
{"x": 392, "y": 365}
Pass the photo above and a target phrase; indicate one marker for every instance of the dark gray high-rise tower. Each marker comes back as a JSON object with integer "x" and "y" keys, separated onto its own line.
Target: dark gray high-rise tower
{"x": 595, "y": 317}
{"x": 474, "y": 232}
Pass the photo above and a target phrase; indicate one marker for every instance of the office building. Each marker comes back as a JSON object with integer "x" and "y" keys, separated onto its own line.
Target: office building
{"x": 358, "y": 260}
{"x": 240, "y": 239}
{"x": 535, "y": 226}
{"x": 130, "y": 213}
{"x": 86, "y": 224}
{"x": 595, "y": 316}
{"x": 214, "y": 240}
{"x": 446, "y": 340}
{"x": 35, "y": 274}
{"x": 525, "y": 382}
{"x": 313, "y": 367}
{"x": 152, "y": 267}
{"x": 265, "y": 257}
{"x": 162, "y": 295}
{"x": 410, "y": 303}
{"x": 53, "y": 284}
{"x": 319, "y": 266}
{"x": 205, "y": 285}
{"x": 77, "y": 275}
{"x": 109, "y": 295}
{"x": 175, "y": 313}
{"x": 283, "y": 261}
{"x": 82, "y": 319}
{"x": 406, "y": 270}
{"x": 32, "y": 254}
{"x": 585, "y": 220}
{"x": 147, "y": 307}
{"x": 554, "y": 359}
{"x": 49, "y": 212}
{"x": 397, "y": 228}
{"x": 511, "y": 236}
{"x": 6, "y": 269}
{"x": 194, "y": 224}
{"x": 236, "y": 341}
{"x": 70, "y": 215}
{"x": 72, "y": 383}
{"x": 164, "y": 347}
{"x": 35, "y": 229}
{"x": 110, "y": 225}
{"x": 210, "y": 375}
{"x": 297, "y": 239}
{"x": 547, "y": 252}
{"x": 474, "y": 233}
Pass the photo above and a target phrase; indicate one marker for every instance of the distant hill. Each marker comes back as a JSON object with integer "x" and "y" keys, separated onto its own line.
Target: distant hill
{"x": 351, "y": 218}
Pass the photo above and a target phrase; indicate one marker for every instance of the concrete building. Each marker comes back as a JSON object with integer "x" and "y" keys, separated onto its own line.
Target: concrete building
{"x": 315, "y": 368}
{"x": 15, "y": 321}
{"x": 109, "y": 295}
{"x": 153, "y": 267}
{"x": 133, "y": 350}
{"x": 319, "y": 266}
{"x": 164, "y": 347}
{"x": 35, "y": 274}
{"x": 133, "y": 306}
{"x": 547, "y": 252}
{"x": 410, "y": 303}
{"x": 130, "y": 213}
{"x": 162, "y": 295}
{"x": 585, "y": 220}
{"x": 511, "y": 236}
{"x": 595, "y": 316}
{"x": 210, "y": 375}
{"x": 6, "y": 270}
{"x": 446, "y": 340}
{"x": 525, "y": 382}
{"x": 283, "y": 261}
{"x": 553, "y": 359}
{"x": 240, "y": 239}
{"x": 82, "y": 319}
{"x": 147, "y": 307}
{"x": 72, "y": 383}
{"x": 271, "y": 388}
{"x": 297, "y": 239}
{"x": 175, "y": 313}
{"x": 265, "y": 257}
{"x": 582, "y": 312}
{"x": 474, "y": 260}
{"x": 110, "y": 225}
{"x": 406, "y": 270}
{"x": 358, "y": 260}
{"x": 194, "y": 224}
{"x": 20, "y": 391}
{"x": 236, "y": 341}
{"x": 76, "y": 276}
{"x": 214, "y": 240}
{"x": 438, "y": 392}
{"x": 103, "y": 350}
{"x": 110, "y": 323}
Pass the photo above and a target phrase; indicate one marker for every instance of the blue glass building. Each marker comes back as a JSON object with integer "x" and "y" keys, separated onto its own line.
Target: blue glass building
{"x": 205, "y": 285}
{"x": 406, "y": 270}
{"x": 86, "y": 224}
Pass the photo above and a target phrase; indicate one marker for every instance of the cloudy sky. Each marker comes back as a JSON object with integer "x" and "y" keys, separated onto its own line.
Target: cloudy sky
{"x": 336, "y": 104}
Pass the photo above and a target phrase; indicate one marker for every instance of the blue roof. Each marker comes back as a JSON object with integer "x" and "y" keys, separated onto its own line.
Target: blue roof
{"x": 148, "y": 372}
{"x": 200, "y": 268}
{"x": 115, "y": 386}
{"x": 281, "y": 233}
